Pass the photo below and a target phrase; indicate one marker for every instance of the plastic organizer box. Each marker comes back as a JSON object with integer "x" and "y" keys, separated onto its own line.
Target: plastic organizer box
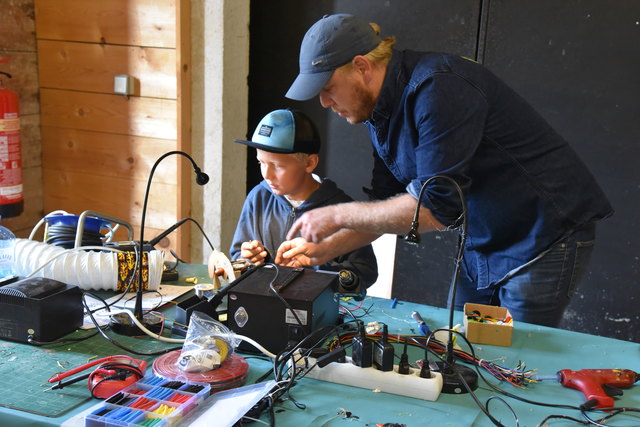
{"x": 152, "y": 401}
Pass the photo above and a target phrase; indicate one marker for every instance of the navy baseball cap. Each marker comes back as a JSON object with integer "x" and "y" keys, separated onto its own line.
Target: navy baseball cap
{"x": 285, "y": 131}
{"x": 330, "y": 43}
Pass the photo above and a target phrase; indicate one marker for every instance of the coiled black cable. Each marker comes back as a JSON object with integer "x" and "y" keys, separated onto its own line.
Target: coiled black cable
{"x": 65, "y": 236}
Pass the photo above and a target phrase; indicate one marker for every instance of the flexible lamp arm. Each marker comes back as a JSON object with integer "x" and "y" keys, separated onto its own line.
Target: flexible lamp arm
{"x": 201, "y": 178}
{"x": 413, "y": 237}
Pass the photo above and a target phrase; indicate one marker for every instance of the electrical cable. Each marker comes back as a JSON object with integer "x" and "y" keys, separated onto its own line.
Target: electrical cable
{"x": 129, "y": 284}
{"x": 598, "y": 423}
{"x": 515, "y": 377}
{"x": 31, "y": 341}
{"x": 105, "y": 238}
{"x": 350, "y": 311}
{"x": 34, "y": 230}
{"x": 181, "y": 340}
{"x": 287, "y": 357}
{"x": 122, "y": 369}
{"x": 441, "y": 350}
{"x": 463, "y": 381}
{"x": 498, "y": 398}
{"x": 499, "y": 390}
{"x": 256, "y": 345}
{"x": 64, "y": 236}
{"x": 143, "y": 328}
{"x": 164, "y": 234}
{"x": 581, "y": 408}
{"x": 284, "y": 301}
{"x": 117, "y": 344}
{"x": 413, "y": 237}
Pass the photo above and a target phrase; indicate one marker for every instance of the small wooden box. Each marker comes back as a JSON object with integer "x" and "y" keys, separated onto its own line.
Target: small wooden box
{"x": 488, "y": 332}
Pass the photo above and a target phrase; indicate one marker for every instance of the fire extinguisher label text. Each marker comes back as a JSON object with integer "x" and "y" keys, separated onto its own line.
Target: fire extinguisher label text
{"x": 9, "y": 125}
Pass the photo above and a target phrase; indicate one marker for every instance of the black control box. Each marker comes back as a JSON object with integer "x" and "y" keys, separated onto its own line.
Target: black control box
{"x": 40, "y": 308}
{"x": 255, "y": 311}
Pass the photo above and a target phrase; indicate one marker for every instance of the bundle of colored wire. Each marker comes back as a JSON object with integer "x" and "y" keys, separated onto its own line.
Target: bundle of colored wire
{"x": 518, "y": 377}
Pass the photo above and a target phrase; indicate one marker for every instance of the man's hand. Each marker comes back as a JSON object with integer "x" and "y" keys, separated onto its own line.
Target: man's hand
{"x": 317, "y": 224}
{"x": 298, "y": 252}
{"x": 299, "y": 261}
{"x": 254, "y": 252}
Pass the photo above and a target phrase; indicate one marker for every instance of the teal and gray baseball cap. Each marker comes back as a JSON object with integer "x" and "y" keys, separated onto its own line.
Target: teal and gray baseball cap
{"x": 285, "y": 131}
{"x": 330, "y": 43}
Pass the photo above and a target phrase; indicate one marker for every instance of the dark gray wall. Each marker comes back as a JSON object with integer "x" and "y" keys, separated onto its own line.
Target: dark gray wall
{"x": 577, "y": 62}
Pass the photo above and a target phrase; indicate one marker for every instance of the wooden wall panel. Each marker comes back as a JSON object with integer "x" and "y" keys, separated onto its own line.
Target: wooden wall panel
{"x": 120, "y": 197}
{"x": 98, "y": 147}
{"x": 108, "y": 154}
{"x": 148, "y": 117}
{"x": 17, "y": 43}
{"x": 17, "y": 26}
{"x": 31, "y": 141}
{"x": 92, "y": 67}
{"x": 126, "y": 22}
{"x": 183, "y": 105}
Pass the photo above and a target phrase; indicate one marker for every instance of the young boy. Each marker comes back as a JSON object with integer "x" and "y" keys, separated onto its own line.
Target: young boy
{"x": 287, "y": 144}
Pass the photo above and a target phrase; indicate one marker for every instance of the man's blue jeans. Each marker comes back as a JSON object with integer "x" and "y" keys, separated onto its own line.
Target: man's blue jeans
{"x": 540, "y": 291}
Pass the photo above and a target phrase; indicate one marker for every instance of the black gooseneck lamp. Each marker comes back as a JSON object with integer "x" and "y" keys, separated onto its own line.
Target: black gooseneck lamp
{"x": 452, "y": 374}
{"x": 129, "y": 328}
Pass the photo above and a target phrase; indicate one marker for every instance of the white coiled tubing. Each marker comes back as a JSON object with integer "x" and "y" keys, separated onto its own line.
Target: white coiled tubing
{"x": 94, "y": 270}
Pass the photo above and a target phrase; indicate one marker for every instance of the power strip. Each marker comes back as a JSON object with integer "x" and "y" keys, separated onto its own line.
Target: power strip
{"x": 410, "y": 385}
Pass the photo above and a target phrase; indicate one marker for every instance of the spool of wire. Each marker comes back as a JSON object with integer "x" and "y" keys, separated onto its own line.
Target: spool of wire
{"x": 61, "y": 231}
{"x": 231, "y": 374}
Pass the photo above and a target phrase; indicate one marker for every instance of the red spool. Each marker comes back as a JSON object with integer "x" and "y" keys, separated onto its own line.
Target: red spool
{"x": 232, "y": 373}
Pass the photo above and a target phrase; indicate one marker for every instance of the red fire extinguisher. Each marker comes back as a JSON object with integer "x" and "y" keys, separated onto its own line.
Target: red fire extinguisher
{"x": 11, "y": 197}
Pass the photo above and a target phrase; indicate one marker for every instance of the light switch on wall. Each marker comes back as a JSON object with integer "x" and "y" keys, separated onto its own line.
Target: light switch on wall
{"x": 123, "y": 84}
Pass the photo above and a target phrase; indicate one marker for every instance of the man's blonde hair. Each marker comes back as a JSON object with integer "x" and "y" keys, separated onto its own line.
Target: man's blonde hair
{"x": 382, "y": 52}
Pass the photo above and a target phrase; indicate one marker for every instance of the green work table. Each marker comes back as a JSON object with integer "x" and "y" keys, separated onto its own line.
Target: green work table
{"x": 25, "y": 369}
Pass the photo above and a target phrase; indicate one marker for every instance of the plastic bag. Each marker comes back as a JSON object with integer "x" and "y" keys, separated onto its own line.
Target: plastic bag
{"x": 207, "y": 344}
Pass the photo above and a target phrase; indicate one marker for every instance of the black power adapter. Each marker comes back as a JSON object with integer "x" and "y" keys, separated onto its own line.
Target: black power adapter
{"x": 404, "y": 368}
{"x": 425, "y": 371}
{"x": 361, "y": 348}
{"x": 383, "y": 352}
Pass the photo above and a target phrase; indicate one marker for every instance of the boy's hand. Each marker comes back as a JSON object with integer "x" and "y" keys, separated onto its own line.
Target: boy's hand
{"x": 254, "y": 252}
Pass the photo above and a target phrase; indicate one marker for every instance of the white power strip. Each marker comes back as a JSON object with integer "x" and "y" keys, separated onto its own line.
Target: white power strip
{"x": 410, "y": 385}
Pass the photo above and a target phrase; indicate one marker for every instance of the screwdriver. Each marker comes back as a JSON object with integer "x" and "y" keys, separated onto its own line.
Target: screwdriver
{"x": 424, "y": 329}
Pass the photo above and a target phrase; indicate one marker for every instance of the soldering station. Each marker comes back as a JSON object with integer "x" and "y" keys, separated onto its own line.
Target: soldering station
{"x": 307, "y": 323}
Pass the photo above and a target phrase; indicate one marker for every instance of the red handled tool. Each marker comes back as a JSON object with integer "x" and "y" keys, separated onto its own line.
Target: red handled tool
{"x": 114, "y": 374}
{"x": 598, "y": 385}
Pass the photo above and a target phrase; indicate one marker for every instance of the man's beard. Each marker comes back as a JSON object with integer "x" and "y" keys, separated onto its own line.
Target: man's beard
{"x": 364, "y": 107}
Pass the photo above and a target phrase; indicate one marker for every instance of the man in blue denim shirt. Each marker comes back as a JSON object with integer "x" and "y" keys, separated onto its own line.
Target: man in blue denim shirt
{"x": 531, "y": 202}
